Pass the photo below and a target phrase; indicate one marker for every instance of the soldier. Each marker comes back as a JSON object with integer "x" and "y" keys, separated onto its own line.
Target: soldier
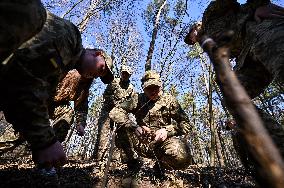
{"x": 255, "y": 69}
{"x": 115, "y": 94}
{"x": 257, "y": 47}
{"x": 156, "y": 136}
{"x": 19, "y": 21}
{"x": 74, "y": 87}
{"x": 30, "y": 79}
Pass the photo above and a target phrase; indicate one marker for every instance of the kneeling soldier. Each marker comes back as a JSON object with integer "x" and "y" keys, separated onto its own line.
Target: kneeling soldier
{"x": 155, "y": 136}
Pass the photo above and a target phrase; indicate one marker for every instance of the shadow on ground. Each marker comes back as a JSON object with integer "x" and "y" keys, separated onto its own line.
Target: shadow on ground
{"x": 83, "y": 174}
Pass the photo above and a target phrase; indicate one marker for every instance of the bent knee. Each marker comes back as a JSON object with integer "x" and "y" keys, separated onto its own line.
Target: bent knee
{"x": 178, "y": 156}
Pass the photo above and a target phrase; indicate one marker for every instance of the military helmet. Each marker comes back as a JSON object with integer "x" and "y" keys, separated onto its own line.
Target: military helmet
{"x": 151, "y": 78}
{"x": 125, "y": 68}
{"x": 108, "y": 78}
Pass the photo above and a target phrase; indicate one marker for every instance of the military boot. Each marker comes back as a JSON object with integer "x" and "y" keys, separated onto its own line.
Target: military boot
{"x": 131, "y": 180}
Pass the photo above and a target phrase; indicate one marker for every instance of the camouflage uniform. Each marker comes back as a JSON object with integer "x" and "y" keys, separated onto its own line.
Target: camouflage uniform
{"x": 19, "y": 21}
{"x": 114, "y": 95}
{"x": 259, "y": 52}
{"x": 72, "y": 88}
{"x": 31, "y": 76}
{"x": 256, "y": 67}
{"x": 173, "y": 153}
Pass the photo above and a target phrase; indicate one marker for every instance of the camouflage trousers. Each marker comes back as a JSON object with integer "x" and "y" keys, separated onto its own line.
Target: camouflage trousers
{"x": 270, "y": 48}
{"x": 62, "y": 119}
{"x": 105, "y": 125}
{"x": 19, "y": 21}
{"x": 173, "y": 153}
{"x": 274, "y": 129}
{"x": 103, "y": 132}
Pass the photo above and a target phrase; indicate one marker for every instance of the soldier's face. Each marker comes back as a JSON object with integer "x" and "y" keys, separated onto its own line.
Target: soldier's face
{"x": 93, "y": 65}
{"x": 152, "y": 92}
{"x": 125, "y": 76}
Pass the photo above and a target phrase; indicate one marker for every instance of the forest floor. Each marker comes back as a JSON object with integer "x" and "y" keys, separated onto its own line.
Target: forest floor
{"x": 18, "y": 171}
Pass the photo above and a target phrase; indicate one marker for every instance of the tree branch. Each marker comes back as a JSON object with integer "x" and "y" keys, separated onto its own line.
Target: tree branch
{"x": 154, "y": 36}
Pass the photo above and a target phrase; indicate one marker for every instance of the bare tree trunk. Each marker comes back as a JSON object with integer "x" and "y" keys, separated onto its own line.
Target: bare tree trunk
{"x": 111, "y": 148}
{"x": 68, "y": 11}
{"x": 93, "y": 9}
{"x": 211, "y": 121}
{"x": 196, "y": 141}
{"x": 221, "y": 99}
{"x": 223, "y": 148}
{"x": 66, "y": 145}
{"x": 154, "y": 36}
{"x": 219, "y": 149}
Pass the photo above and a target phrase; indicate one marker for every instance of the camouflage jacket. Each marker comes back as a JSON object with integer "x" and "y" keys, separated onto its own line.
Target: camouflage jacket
{"x": 48, "y": 56}
{"x": 262, "y": 42}
{"x": 223, "y": 15}
{"x": 59, "y": 40}
{"x": 74, "y": 88}
{"x": 250, "y": 37}
{"x": 166, "y": 113}
{"x": 117, "y": 92}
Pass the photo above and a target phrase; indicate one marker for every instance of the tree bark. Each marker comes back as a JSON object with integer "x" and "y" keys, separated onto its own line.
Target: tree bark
{"x": 219, "y": 149}
{"x": 211, "y": 121}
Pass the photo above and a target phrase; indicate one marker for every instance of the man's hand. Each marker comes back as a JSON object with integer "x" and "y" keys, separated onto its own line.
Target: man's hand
{"x": 269, "y": 11}
{"x": 193, "y": 35}
{"x": 230, "y": 124}
{"x": 52, "y": 156}
{"x": 142, "y": 131}
{"x": 80, "y": 130}
{"x": 161, "y": 135}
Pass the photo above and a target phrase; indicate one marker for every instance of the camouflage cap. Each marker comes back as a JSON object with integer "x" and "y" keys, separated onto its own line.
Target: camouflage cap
{"x": 127, "y": 69}
{"x": 151, "y": 78}
{"x": 108, "y": 78}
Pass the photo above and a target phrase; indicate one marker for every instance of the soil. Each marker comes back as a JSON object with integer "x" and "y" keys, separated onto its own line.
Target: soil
{"x": 84, "y": 173}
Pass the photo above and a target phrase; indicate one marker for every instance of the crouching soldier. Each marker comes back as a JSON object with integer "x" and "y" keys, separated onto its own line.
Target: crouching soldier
{"x": 118, "y": 91}
{"x": 31, "y": 77}
{"x": 155, "y": 137}
{"x": 74, "y": 87}
{"x": 258, "y": 49}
